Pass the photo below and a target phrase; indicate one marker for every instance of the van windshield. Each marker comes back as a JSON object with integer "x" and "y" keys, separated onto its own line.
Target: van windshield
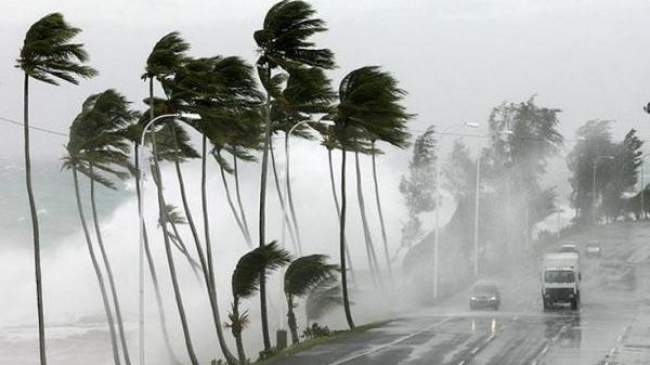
{"x": 559, "y": 276}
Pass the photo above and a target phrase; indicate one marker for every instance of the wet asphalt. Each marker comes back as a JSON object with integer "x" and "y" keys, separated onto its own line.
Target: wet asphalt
{"x": 611, "y": 327}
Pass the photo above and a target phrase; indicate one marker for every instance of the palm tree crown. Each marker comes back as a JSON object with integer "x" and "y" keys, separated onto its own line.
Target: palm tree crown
{"x": 48, "y": 55}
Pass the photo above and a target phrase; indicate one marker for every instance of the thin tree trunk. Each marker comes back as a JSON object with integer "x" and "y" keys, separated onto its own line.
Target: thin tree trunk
{"x": 344, "y": 280}
{"x": 289, "y": 195}
{"x": 210, "y": 280}
{"x": 170, "y": 257}
{"x": 242, "y": 213}
{"x": 262, "y": 216}
{"x": 152, "y": 267}
{"x": 109, "y": 272}
{"x": 285, "y": 216}
{"x": 180, "y": 245}
{"x": 35, "y": 228}
{"x": 370, "y": 247}
{"x": 213, "y": 304}
{"x": 381, "y": 214}
{"x": 291, "y": 321}
{"x": 98, "y": 272}
{"x": 235, "y": 214}
{"x": 236, "y": 330}
{"x": 338, "y": 214}
{"x": 186, "y": 206}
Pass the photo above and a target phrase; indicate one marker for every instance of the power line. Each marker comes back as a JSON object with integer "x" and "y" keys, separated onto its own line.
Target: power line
{"x": 40, "y": 129}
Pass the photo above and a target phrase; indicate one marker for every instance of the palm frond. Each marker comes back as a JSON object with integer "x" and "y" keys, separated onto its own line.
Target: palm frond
{"x": 47, "y": 54}
{"x": 305, "y": 273}
{"x": 166, "y": 56}
{"x": 322, "y": 299}
{"x": 263, "y": 259}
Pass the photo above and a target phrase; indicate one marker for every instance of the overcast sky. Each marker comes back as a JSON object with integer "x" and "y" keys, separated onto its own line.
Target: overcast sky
{"x": 457, "y": 59}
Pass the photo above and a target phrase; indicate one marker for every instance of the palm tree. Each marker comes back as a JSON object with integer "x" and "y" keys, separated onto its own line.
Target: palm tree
{"x": 246, "y": 281}
{"x": 220, "y": 89}
{"x": 369, "y": 104}
{"x": 105, "y": 116}
{"x": 47, "y": 55}
{"x": 76, "y": 159}
{"x": 283, "y": 42}
{"x": 302, "y": 276}
{"x": 374, "y": 151}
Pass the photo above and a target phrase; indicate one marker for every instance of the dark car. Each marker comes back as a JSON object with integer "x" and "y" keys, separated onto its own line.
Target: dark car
{"x": 484, "y": 296}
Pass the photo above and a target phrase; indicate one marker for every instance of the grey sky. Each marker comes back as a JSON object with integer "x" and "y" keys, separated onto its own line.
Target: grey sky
{"x": 456, "y": 59}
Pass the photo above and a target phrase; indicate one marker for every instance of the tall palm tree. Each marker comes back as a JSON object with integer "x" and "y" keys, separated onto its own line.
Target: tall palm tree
{"x": 220, "y": 89}
{"x": 373, "y": 152}
{"x": 283, "y": 42}
{"x": 369, "y": 104}
{"x": 105, "y": 116}
{"x": 74, "y": 160}
{"x": 302, "y": 276}
{"x": 47, "y": 55}
{"x": 246, "y": 281}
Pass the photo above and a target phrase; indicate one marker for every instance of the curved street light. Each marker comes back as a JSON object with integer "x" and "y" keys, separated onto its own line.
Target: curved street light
{"x": 149, "y": 124}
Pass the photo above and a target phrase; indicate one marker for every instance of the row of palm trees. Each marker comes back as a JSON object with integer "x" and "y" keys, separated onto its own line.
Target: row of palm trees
{"x": 236, "y": 118}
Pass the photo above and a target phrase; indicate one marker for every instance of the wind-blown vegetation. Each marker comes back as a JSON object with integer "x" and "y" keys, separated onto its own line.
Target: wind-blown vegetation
{"x": 236, "y": 111}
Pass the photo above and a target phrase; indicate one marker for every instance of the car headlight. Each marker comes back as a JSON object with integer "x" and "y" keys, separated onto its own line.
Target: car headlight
{"x": 472, "y": 298}
{"x": 493, "y": 298}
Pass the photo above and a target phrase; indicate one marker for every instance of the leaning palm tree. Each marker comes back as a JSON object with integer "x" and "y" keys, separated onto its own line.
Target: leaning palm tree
{"x": 369, "y": 104}
{"x": 302, "y": 276}
{"x": 77, "y": 159}
{"x": 322, "y": 299}
{"x": 283, "y": 42}
{"x": 47, "y": 55}
{"x": 246, "y": 281}
{"x": 106, "y": 115}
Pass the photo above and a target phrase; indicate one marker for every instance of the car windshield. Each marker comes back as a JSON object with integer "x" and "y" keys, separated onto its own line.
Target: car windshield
{"x": 484, "y": 290}
{"x": 559, "y": 276}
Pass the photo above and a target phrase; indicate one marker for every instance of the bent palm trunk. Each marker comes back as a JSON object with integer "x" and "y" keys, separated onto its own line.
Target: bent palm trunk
{"x": 170, "y": 259}
{"x": 290, "y": 196}
{"x": 344, "y": 280}
{"x": 210, "y": 279}
{"x": 152, "y": 267}
{"x": 35, "y": 228}
{"x": 235, "y": 214}
{"x": 338, "y": 214}
{"x": 381, "y": 214}
{"x": 291, "y": 319}
{"x": 262, "y": 217}
{"x": 285, "y": 216}
{"x": 109, "y": 272}
{"x": 98, "y": 272}
{"x": 370, "y": 249}
{"x": 242, "y": 213}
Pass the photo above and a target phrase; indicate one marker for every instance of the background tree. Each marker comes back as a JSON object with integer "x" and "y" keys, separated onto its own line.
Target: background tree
{"x": 283, "y": 42}
{"x": 624, "y": 173}
{"x": 246, "y": 282}
{"x": 47, "y": 55}
{"x": 419, "y": 186}
{"x": 303, "y": 275}
{"x": 593, "y": 140}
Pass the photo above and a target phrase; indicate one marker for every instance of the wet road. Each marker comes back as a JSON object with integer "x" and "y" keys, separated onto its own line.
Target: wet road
{"x": 612, "y": 326}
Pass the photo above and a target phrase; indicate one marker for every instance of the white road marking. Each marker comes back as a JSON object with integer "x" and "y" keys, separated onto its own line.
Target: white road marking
{"x": 383, "y": 347}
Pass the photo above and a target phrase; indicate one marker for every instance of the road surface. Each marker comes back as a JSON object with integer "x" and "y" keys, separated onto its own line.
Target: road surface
{"x": 612, "y": 326}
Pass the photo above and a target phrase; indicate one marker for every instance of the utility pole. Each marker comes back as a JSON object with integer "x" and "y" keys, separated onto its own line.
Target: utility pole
{"x": 436, "y": 236}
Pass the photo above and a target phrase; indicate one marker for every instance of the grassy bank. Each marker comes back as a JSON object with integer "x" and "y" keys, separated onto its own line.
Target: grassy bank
{"x": 311, "y": 343}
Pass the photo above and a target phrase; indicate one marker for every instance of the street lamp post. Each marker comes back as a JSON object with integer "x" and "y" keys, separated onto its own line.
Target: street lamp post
{"x": 593, "y": 184}
{"x": 643, "y": 215}
{"x": 141, "y": 218}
